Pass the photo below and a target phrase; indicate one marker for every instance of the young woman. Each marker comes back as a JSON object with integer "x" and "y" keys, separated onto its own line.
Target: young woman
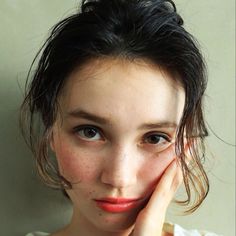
{"x": 117, "y": 97}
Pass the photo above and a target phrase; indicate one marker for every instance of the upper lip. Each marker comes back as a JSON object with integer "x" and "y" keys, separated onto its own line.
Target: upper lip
{"x": 113, "y": 200}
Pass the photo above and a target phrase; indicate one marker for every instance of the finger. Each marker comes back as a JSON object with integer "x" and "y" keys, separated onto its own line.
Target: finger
{"x": 151, "y": 218}
{"x": 166, "y": 188}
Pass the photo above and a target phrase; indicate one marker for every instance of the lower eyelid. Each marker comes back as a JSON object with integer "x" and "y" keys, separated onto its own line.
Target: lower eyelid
{"x": 101, "y": 137}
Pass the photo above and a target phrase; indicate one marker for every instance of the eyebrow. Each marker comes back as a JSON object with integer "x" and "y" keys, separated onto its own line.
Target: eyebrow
{"x": 78, "y": 113}
{"x": 164, "y": 124}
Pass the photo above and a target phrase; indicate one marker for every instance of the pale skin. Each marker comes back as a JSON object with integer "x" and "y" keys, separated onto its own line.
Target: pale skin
{"x": 115, "y": 137}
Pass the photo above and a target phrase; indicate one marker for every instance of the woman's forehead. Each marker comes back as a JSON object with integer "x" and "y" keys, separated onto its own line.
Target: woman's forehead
{"x": 114, "y": 88}
{"x": 111, "y": 68}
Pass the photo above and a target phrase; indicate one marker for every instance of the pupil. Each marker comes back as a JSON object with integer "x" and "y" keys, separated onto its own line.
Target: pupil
{"x": 154, "y": 139}
{"x": 90, "y": 133}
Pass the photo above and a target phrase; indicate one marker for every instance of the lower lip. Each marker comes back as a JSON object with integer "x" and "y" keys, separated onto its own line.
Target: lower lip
{"x": 117, "y": 207}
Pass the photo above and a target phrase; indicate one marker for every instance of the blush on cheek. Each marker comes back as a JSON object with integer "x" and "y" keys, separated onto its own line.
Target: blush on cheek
{"x": 73, "y": 166}
{"x": 153, "y": 169}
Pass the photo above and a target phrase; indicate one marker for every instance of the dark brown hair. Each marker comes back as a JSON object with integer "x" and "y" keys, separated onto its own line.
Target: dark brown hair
{"x": 150, "y": 30}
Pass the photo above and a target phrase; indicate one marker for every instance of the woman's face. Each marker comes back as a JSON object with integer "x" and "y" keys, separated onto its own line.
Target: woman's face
{"x": 114, "y": 138}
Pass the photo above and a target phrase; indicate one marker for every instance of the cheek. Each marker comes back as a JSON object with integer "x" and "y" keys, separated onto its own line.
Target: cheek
{"x": 76, "y": 165}
{"x": 154, "y": 168}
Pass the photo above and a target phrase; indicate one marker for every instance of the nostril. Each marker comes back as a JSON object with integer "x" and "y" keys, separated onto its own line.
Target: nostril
{"x": 120, "y": 166}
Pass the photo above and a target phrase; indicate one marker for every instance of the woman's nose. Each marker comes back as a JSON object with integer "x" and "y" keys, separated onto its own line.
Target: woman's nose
{"x": 120, "y": 167}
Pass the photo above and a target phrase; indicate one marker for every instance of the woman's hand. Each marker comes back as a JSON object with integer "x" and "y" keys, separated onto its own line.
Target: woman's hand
{"x": 151, "y": 219}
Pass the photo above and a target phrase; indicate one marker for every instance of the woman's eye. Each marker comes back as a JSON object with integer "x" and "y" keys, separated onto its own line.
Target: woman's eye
{"x": 155, "y": 139}
{"x": 88, "y": 133}
{"x": 159, "y": 140}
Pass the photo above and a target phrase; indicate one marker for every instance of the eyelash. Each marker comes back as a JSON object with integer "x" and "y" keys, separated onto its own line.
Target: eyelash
{"x": 80, "y": 128}
{"x": 98, "y": 131}
{"x": 159, "y": 135}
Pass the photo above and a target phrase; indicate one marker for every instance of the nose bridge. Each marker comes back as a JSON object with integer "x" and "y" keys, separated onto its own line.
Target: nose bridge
{"x": 120, "y": 169}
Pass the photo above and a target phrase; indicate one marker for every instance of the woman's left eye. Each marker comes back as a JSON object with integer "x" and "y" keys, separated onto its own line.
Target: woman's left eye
{"x": 88, "y": 133}
{"x": 157, "y": 139}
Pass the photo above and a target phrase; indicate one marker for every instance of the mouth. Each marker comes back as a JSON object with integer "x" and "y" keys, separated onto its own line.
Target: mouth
{"x": 118, "y": 205}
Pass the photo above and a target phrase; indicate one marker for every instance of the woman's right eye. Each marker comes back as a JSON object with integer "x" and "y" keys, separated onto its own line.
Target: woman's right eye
{"x": 88, "y": 133}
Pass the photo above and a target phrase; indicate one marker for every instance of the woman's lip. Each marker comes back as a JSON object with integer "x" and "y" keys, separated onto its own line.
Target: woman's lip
{"x": 117, "y": 205}
{"x": 117, "y": 200}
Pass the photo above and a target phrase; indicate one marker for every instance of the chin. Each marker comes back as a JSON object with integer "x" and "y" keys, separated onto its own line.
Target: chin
{"x": 116, "y": 222}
